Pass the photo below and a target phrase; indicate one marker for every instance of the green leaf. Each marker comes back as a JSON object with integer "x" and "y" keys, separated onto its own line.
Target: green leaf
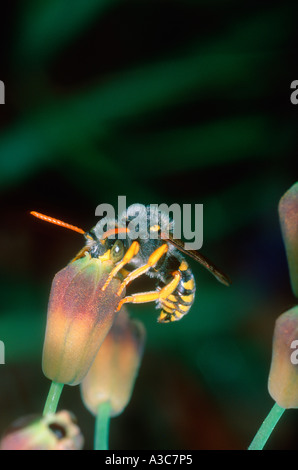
{"x": 47, "y": 27}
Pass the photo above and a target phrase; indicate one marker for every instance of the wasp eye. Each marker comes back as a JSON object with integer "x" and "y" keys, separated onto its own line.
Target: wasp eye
{"x": 117, "y": 252}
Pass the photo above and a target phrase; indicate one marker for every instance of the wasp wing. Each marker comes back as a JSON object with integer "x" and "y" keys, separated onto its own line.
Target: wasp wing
{"x": 196, "y": 255}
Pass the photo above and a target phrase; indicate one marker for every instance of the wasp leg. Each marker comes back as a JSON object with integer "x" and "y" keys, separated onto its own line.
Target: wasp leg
{"x": 152, "y": 260}
{"x": 140, "y": 298}
{"x": 131, "y": 252}
{"x": 152, "y": 296}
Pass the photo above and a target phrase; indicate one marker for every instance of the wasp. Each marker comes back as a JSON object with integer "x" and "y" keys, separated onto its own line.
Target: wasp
{"x": 160, "y": 257}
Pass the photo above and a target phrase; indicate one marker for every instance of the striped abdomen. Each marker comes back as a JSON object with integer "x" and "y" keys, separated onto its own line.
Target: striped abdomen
{"x": 179, "y": 302}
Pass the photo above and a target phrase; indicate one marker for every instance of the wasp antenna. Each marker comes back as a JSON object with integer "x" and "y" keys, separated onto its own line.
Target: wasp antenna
{"x": 114, "y": 231}
{"x": 51, "y": 220}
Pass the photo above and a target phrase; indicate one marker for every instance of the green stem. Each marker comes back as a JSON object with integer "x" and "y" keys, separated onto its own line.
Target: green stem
{"x": 267, "y": 427}
{"x": 102, "y": 426}
{"x": 53, "y": 398}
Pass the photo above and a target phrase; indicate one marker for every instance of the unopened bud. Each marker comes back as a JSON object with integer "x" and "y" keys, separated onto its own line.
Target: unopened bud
{"x": 113, "y": 373}
{"x": 288, "y": 214}
{"x": 51, "y": 432}
{"x": 79, "y": 317}
{"x": 283, "y": 377}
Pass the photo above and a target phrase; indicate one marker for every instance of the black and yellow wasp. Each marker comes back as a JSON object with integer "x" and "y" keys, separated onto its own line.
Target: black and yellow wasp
{"x": 160, "y": 258}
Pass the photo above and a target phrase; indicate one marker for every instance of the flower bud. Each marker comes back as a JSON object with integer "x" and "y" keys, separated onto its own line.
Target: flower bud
{"x": 79, "y": 317}
{"x": 283, "y": 377}
{"x": 288, "y": 214}
{"x": 114, "y": 370}
{"x": 51, "y": 432}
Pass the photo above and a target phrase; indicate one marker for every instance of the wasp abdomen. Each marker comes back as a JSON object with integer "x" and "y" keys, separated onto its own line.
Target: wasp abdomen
{"x": 179, "y": 302}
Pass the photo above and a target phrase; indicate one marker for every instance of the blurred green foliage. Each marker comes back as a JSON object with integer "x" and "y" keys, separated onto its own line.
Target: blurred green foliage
{"x": 161, "y": 101}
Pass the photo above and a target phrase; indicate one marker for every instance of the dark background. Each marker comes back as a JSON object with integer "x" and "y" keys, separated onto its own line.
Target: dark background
{"x": 162, "y": 101}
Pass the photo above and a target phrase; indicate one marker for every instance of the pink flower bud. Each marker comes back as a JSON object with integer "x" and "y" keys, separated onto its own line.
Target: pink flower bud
{"x": 113, "y": 373}
{"x": 288, "y": 214}
{"x": 79, "y": 317}
{"x": 51, "y": 432}
{"x": 283, "y": 377}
